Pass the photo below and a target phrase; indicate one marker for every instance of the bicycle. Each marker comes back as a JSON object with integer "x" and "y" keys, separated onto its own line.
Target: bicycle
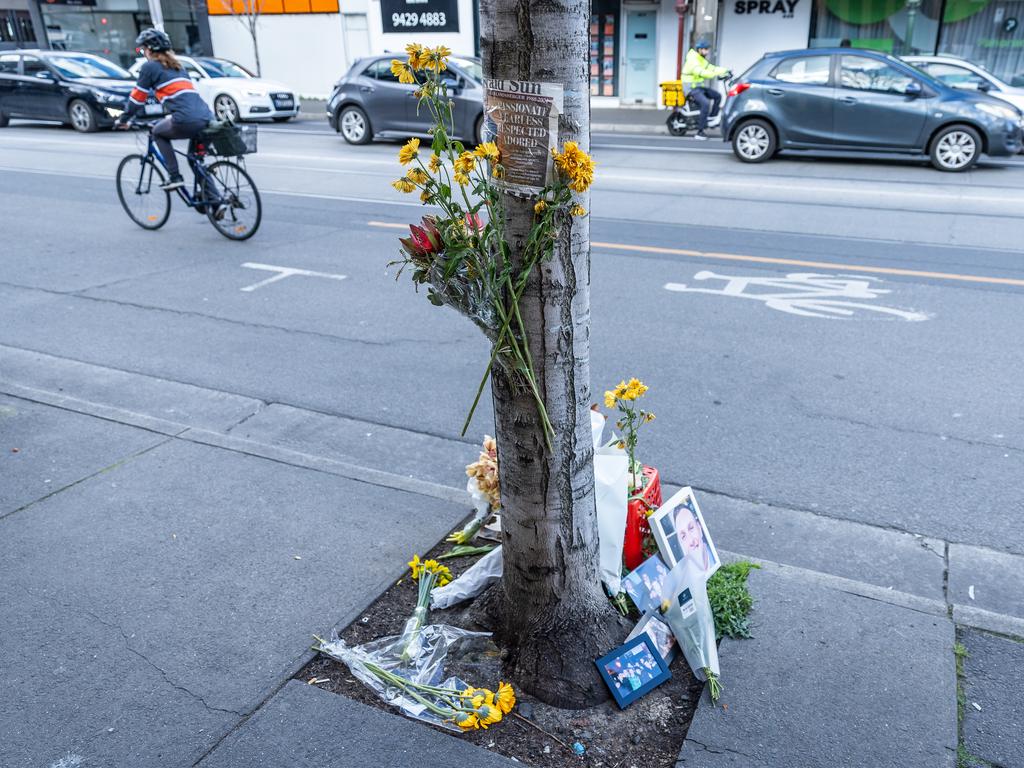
{"x": 223, "y": 190}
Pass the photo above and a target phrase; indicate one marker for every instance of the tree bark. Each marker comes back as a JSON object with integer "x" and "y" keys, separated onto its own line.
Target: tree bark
{"x": 553, "y": 616}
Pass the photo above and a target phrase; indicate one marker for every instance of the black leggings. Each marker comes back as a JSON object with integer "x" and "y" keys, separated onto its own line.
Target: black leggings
{"x": 166, "y": 130}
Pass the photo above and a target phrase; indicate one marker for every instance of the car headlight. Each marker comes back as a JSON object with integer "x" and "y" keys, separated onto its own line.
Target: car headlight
{"x": 997, "y": 110}
{"x": 105, "y": 97}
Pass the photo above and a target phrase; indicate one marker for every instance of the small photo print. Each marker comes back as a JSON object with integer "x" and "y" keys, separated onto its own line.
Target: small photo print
{"x": 659, "y": 633}
{"x": 633, "y": 669}
{"x": 645, "y": 583}
{"x": 682, "y": 534}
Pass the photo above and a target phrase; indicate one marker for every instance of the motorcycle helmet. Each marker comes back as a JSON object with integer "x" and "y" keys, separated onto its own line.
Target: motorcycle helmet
{"x": 154, "y": 39}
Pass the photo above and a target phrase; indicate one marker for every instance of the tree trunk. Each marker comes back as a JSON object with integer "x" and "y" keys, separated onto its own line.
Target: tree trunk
{"x": 253, "y": 23}
{"x": 552, "y": 613}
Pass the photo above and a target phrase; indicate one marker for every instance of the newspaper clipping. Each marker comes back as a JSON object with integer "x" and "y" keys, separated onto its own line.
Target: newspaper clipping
{"x": 525, "y": 124}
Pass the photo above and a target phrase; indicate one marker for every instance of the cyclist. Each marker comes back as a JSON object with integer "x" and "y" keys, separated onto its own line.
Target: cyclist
{"x": 696, "y": 72}
{"x": 164, "y": 75}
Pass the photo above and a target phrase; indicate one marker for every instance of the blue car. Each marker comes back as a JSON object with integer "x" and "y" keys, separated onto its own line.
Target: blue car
{"x": 853, "y": 100}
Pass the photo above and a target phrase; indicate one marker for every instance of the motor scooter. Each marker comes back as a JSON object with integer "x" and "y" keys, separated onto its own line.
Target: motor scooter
{"x": 683, "y": 120}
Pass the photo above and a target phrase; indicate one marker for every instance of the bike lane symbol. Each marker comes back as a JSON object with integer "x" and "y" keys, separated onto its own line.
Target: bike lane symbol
{"x": 804, "y": 293}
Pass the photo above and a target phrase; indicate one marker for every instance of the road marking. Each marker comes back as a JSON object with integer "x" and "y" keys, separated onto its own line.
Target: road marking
{"x": 282, "y": 273}
{"x": 788, "y": 262}
{"x": 803, "y": 294}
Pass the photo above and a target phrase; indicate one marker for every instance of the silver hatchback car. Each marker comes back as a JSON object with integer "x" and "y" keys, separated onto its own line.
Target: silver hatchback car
{"x": 369, "y": 102}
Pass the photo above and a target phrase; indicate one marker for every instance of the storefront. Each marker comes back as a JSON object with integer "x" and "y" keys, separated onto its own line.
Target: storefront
{"x": 987, "y": 32}
{"x": 109, "y": 27}
{"x": 17, "y": 28}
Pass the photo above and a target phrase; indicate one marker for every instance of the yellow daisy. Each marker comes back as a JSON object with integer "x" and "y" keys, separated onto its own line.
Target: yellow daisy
{"x": 578, "y": 210}
{"x": 540, "y": 207}
{"x": 404, "y": 185}
{"x": 435, "y": 163}
{"x": 418, "y": 176}
{"x": 505, "y": 698}
{"x": 487, "y": 150}
{"x": 409, "y": 152}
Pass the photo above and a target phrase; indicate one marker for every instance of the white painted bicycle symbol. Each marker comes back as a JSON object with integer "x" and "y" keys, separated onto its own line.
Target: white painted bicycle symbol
{"x": 803, "y": 293}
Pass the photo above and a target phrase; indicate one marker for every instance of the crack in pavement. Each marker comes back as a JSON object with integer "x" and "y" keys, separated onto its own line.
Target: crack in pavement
{"x": 128, "y": 646}
{"x": 723, "y": 750}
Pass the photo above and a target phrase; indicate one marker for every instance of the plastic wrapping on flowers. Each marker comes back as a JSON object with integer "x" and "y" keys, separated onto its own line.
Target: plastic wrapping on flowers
{"x": 440, "y": 645}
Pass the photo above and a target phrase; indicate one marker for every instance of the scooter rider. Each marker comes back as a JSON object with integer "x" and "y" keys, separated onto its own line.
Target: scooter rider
{"x": 696, "y": 72}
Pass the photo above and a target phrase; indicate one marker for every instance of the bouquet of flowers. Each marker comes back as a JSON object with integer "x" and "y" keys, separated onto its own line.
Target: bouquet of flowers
{"x": 462, "y": 255}
{"x": 687, "y": 610}
{"x": 427, "y": 574}
{"x": 624, "y": 397}
{"x": 483, "y": 488}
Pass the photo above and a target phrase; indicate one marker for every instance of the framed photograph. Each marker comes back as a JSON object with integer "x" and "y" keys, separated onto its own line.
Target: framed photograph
{"x": 633, "y": 669}
{"x": 644, "y": 584}
{"x": 660, "y": 634}
{"x": 681, "y": 533}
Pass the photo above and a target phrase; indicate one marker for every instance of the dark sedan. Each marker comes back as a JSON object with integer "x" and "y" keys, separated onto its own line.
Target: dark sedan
{"x": 85, "y": 91}
{"x": 369, "y": 102}
{"x": 846, "y": 99}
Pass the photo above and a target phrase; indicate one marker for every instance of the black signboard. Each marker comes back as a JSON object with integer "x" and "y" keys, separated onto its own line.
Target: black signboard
{"x": 70, "y": 2}
{"x": 420, "y": 15}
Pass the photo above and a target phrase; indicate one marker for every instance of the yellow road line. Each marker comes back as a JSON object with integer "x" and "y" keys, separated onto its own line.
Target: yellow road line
{"x": 788, "y": 262}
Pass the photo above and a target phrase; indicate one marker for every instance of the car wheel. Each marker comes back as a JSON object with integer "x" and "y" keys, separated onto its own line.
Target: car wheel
{"x": 225, "y": 108}
{"x": 754, "y": 141}
{"x": 82, "y": 118}
{"x": 478, "y": 131}
{"x": 955, "y": 148}
{"x": 354, "y": 125}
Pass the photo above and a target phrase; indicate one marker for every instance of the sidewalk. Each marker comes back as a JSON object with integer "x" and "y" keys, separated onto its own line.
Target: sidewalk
{"x": 166, "y": 552}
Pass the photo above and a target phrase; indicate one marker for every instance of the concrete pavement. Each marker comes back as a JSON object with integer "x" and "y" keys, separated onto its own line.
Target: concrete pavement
{"x": 199, "y": 436}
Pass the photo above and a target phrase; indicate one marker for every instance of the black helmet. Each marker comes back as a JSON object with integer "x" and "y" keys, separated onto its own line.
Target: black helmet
{"x": 154, "y": 39}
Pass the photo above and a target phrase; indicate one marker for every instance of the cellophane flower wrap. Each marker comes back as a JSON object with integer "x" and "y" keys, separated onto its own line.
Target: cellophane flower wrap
{"x": 427, "y": 574}
{"x": 688, "y": 612}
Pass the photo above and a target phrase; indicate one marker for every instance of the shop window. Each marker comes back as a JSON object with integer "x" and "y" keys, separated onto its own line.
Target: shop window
{"x": 899, "y": 27}
{"x": 866, "y": 74}
{"x": 16, "y": 27}
{"x": 604, "y": 48}
{"x": 806, "y": 70}
{"x": 990, "y": 35}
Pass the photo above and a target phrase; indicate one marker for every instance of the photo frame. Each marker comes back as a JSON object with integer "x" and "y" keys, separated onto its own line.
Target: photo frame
{"x": 660, "y": 634}
{"x": 680, "y": 531}
{"x": 633, "y": 669}
{"x": 645, "y": 584}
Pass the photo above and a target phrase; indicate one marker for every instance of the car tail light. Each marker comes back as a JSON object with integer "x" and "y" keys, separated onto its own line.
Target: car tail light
{"x": 739, "y": 88}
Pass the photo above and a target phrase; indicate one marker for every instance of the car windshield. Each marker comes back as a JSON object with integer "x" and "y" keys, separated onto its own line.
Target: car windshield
{"x": 223, "y": 68}
{"x": 470, "y": 67}
{"x": 74, "y": 67}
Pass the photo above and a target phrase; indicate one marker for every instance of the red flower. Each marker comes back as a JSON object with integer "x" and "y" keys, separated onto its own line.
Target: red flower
{"x": 474, "y": 222}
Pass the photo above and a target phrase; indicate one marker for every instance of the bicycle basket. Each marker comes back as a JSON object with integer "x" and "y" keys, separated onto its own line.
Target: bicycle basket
{"x": 228, "y": 140}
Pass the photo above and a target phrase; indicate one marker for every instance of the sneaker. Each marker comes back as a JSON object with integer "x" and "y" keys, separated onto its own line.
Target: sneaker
{"x": 175, "y": 182}
{"x": 701, "y": 136}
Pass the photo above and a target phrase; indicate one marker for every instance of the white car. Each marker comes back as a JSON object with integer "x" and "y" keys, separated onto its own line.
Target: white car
{"x": 234, "y": 93}
{"x": 960, "y": 73}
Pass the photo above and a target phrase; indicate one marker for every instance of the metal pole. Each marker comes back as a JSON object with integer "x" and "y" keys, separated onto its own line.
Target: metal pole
{"x": 156, "y": 14}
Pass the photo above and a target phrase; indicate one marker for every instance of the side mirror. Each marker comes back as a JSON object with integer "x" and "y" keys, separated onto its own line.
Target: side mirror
{"x": 913, "y": 88}
{"x": 985, "y": 86}
{"x": 45, "y": 74}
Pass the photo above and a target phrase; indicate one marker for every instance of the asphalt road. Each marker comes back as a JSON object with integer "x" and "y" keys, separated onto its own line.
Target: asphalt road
{"x": 886, "y": 390}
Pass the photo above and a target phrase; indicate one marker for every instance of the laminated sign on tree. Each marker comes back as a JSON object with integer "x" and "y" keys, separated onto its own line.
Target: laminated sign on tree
{"x": 525, "y": 118}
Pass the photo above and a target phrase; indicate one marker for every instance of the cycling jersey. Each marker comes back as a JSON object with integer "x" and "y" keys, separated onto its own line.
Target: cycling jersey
{"x": 174, "y": 90}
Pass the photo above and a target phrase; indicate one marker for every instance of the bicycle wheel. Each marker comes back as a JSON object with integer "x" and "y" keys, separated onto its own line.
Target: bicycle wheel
{"x": 138, "y": 188}
{"x": 232, "y": 202}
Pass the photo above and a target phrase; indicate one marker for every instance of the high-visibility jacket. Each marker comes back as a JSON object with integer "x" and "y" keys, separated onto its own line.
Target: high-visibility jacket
{"x": 174, "y": 89}
{"x": 697, "y": 70}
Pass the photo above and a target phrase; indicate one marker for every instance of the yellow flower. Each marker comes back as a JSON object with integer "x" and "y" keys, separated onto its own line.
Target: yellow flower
{"x": 539, "y": 208}
{"x": 425, "y": 196}
{"x": 409, "y": 152}
{"x": 620, "y": 390}
{"x": 418, "y": 176}
{"x": 635, "y": 389}
{"x": 609, "y": 399}
{"x": 417, "y": 55}
{"x": 437, "y": 58}
{"x": 467, "y": 721}
{"x": 404, "y": 185}
{"x": 488, "y": 150}
{"x": 488, "y": 714}
{"x": 416, "y": 566}
{"x": 648, "y": 417}
{"x": 465, "y": 162}
{"x": 468, "y": 693}
{"x": 498, "y": 171}
{"x": 576, "y": 166}
{"x": 578, "y": 210}
{"x": 402, "y": 72}
{"x": 461, "y": 178}
{"x": 506, "y": 697}
{"x": 435, "y": 163}
{"x": 621, "y": 444}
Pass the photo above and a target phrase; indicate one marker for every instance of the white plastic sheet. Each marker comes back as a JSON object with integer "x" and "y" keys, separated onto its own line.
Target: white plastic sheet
{"x": 479, "y": 576}
{"x": 689, "y": 614}
{"x": 611, "y": 479}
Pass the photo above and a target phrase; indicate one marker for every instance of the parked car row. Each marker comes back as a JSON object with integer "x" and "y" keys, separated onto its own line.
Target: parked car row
{"x": 854, "y": 100}
{"x": 88, "y": 92}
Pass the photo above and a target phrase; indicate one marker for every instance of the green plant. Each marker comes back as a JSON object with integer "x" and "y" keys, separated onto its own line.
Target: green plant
{"x": 730, "y": 599}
